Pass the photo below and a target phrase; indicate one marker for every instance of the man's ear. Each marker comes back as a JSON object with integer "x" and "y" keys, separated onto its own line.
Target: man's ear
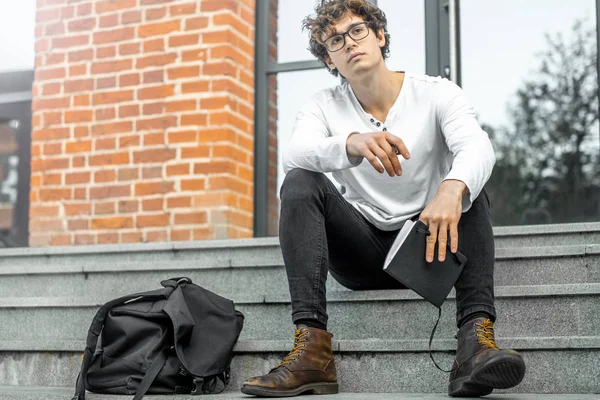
{"x": 329, "y": 63}
{"x": 381, "y": 38}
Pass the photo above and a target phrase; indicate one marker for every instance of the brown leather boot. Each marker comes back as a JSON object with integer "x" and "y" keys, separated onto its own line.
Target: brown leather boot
{"x": 309, "y": 367}
{"x": 480, "y": 366}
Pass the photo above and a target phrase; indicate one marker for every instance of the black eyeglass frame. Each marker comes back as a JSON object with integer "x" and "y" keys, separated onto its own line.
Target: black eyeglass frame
{"x": 343, "y": 35}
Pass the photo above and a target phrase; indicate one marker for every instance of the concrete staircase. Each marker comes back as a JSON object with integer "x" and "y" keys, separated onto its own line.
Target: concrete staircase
{"x": 547, "y": 296}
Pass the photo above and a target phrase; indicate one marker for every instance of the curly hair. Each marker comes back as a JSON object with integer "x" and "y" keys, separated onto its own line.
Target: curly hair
{"x": 329, "y": 12}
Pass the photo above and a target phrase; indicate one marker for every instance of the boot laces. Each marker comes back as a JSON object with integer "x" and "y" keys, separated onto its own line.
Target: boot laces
{"x": 485, "y": 334}
{"x": 299, "y": 344}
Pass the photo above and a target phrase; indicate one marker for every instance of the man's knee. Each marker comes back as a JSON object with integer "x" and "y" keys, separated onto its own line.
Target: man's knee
{"x": 300, "y": 182}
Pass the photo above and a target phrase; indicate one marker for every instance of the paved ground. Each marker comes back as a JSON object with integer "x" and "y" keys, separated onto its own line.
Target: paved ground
{"x": 25, "y": 393}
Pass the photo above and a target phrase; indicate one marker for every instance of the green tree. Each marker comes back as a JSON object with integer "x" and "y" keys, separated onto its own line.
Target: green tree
{"x": 548, "y": 158}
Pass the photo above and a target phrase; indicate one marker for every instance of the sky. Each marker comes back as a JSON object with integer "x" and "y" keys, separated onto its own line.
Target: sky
{"x": 500, "y": 40}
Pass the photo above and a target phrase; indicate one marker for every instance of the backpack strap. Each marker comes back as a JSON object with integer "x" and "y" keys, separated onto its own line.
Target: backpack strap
{"x": 151, "y": 374}
{"x": 96, "y": 328}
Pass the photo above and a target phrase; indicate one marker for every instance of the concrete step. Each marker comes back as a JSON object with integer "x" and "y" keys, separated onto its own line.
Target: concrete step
{"x": 235, "y": 267}
{"x": 54, "y": 393}
{"x": 555, "y": 365}
{"x": 523, "y": 311}
{"x": 547, "y": 235}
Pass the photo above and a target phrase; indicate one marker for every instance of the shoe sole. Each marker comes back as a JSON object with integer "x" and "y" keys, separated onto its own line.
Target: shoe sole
{"x": 315, "y": 388}
{"x": 503, "y": 373}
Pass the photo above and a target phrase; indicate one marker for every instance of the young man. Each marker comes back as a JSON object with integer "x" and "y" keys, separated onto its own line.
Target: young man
{"x": 402, "y": 145}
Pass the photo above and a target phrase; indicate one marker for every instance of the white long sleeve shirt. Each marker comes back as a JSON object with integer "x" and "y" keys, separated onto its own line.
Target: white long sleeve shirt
{"x": 434, "y": 120}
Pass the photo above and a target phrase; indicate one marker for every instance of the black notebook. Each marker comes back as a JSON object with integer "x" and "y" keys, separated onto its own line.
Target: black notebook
{"x": 406, "y": 262}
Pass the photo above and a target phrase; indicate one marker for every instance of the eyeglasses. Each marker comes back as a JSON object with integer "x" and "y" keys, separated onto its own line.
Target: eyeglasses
{"x": 337, "y": 42}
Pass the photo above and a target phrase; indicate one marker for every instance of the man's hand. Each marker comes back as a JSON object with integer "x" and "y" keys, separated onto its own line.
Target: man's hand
{"x": 442, "y": 215}
{"x": 378, "y": 146}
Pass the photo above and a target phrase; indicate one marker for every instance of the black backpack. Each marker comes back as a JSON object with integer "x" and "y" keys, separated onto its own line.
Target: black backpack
{"x": 178, "y": 339}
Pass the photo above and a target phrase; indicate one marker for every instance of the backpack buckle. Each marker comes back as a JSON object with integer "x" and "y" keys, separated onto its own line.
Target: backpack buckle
{"x": 198, "y": 383}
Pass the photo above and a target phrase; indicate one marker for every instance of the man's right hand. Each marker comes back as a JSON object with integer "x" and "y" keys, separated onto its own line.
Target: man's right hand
{"x": 378, "y": 146}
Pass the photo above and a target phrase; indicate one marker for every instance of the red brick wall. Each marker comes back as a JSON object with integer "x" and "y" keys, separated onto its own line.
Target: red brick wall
{"x": 142, "y": 121}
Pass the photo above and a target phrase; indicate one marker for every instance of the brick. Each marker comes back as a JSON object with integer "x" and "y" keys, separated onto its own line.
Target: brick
{"x": 53, "y": 149}
{"x": 114, "y": 5}
{"x": 110, "y": 191}
{"x": 54, "y": 194}
{"x": 70, "y": 41}
{"x": 190, "y": 218}
{"x": 105, "y": 176}
{"x": 106, "y": 52}
{"x": 154, "y": 45}
{"x": 51, "y": 14}
{"x": 105, "y": 144}
{"x": 112, "y": 223}
{"x": 194, "y": 55}
{"x": 195, "y": 87}
{"x": 229, "y": 52}
{"x": 194, "y": 119}
{"x": 154, "y": 220}
{"x": 131, "y": 237}
{"x": 78, "y": 116}
{"x": 219, "y": 5}
{"x": 129, "y": 111}
{"x": 128, "y": 174}
{"x": 156, "y": 92}
{"x": 156, "y": 123}
{"x": 219, "y": 68}
{"x": 155, "y": 13}
{"x": 108, "y": 238}
{"x": 109, "y": 159}
{"x": 114, "y": 35}
{"x": 155, "y": 61}
{"x": 107, "y": 21}
{"x": 157, "y": 236}
{"x": 52, "y": 73}
{"x": 155, "y": 172}
{"x": 110, "y": 67}
{"x": 79, "y": 25}
{"x": 212, "y": 199}
{"x": 152, "y": 188}
{"x": 129, "y": 80}
{"x": 183, "y": 72}
{"x": 205, "y": 233}
{"x": 51, "y": 179}
{"x": 228, "y": 19}
{"x": 153, "y": 156}
{"x": 41, "y": 45}
{"x": 52, "y": 225}
{"x": 72, "y": 209}
{"x": 184, "y": 40}
{"x": 228, "y": 182}
{"x": 80, "y": 193}
{"x": 212, "y": 103}
{"x": 78, "y": 70}
{"x": 104, "y": 208}
{"x": 128, "y": 206}
{"x": 193, "y": 184}
{"x": 50, "y": 89}
{"x": 154, "y": 76}
{"x": 55, "y": 58}
{"x": 82, "y": 100}
{"x": 182, "y": 136}
{"x": 178, "y": 169}
{"x": 54, "y": 29}
{"x": 105, "y": 113}
{"x": 78, "y": 85}
{"x": 160, "y": 28}
{"x": 183, "y": 9}
{"x": 179, "y": 202}
{"x": 215, "y": 135}
{"x": 127, "y": 49}
{"x": 61, "y": 239}
{"x": 181, "y": 235}
{"x": 152, "y": 205}
{"x": 181, "y": 105}
{"x": 55, "y": 164}
{"x": 214, "y": 167}
{"x": 106, "y": 83}
{"x": 154, "y": 139}
{"x": 131, "y": 17}
{"x": 81, "y": 131}
{"x": 67, "y": 12}
{"x": 195, "y": 152}
{"x": 129, "y": 141}
{"x": 84, "y": 238}
{"x": 112, "y": 97}
{"x": 77, "y": 178}
{"x": 84, "y": 9}
{"x": 112, "y": 127}
{"x": 154, "y": 108}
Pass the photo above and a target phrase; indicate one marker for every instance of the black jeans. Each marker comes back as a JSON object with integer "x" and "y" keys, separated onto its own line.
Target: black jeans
{"x": 320, "y": 231}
